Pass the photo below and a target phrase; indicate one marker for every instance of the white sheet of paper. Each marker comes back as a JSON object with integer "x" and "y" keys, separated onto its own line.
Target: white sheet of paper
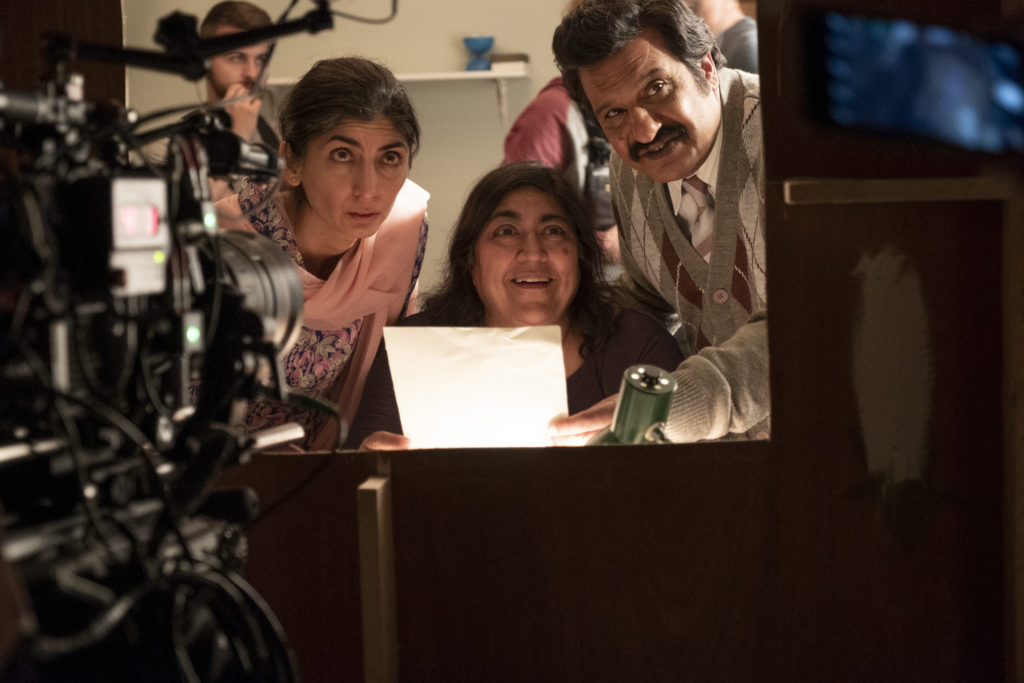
{"x": 467, "y": 387}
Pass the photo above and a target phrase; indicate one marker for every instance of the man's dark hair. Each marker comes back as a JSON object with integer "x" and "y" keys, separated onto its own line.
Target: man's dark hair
{"x": 456, "y": 302}
{"x": 234, "y": 13}
{"x": 597, "y": 29}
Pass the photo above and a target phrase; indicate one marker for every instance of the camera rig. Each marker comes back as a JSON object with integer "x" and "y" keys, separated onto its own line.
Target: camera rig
{"x": 133, "y": 334}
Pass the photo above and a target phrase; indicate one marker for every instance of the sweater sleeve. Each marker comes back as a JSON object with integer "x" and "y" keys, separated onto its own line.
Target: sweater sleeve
{"x": 723, "y": 389}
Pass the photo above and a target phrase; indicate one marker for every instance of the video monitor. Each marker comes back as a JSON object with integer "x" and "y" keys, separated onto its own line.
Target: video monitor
{"x": 910, "y": 80}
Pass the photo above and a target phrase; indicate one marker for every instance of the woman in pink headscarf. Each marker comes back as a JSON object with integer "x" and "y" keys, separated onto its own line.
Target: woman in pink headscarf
{"x": 353, "y": 225}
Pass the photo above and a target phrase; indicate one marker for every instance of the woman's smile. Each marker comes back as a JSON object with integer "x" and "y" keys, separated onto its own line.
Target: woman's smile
{"x": 526, "y": 268}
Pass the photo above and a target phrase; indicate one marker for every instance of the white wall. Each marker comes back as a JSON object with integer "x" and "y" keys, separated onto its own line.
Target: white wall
{"x": 462, "y": 129}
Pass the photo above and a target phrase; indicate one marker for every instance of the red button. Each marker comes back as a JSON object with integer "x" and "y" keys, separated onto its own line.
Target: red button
{"x": 720, "y": 296}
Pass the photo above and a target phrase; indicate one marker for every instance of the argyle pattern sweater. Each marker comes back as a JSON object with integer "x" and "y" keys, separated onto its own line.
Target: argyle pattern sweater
{"x": 721, "y": 305}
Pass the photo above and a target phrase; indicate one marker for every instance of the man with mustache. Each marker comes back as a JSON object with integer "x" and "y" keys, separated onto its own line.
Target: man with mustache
{"x": 688, "y": 186}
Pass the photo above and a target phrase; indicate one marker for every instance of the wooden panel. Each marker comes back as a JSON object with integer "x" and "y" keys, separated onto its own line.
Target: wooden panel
{"x": 377, "y": 580}
{"x": 513, "y": 567}
{"x": 779, "y": 561}
{"x": 574, "y": 565}
{"x": 880, "y": 587}
{"x": 304, "y": 555}
{"x": 23, "y": 26}
{"x": 1013, "y": 421}
{"x": 909, "y": 585}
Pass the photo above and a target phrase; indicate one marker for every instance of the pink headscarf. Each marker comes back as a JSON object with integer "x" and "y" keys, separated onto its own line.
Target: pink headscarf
{"x": 370, "y": 281}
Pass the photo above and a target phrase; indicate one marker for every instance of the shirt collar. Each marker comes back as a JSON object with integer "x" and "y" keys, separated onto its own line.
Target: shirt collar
{"x": 708, "y": 172}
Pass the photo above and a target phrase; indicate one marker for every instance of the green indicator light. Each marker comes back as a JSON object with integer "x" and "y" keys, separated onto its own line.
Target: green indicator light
{"x": 210, "y": 219}
{"x": 192, "y": 334}
{"x": 159, "y": 257}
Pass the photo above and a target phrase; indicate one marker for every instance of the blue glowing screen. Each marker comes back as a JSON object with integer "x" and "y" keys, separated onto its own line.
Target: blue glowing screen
{"x": 900, "y": 77}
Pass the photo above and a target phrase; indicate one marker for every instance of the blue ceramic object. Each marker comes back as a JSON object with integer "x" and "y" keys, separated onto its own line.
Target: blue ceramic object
{"x": 479, "y": 46}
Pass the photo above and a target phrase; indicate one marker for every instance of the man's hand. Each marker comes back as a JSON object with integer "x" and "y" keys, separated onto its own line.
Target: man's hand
{"x": 245, "y": 111}
{"x": 576, "y": 430}
{"x": 385, "y": 441}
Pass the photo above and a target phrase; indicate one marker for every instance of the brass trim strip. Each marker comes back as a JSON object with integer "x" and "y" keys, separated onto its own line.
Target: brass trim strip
{"x": 808, "y": 191}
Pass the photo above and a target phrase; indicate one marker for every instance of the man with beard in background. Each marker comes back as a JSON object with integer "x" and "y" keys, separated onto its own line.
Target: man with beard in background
{"x": 232, "y": 77}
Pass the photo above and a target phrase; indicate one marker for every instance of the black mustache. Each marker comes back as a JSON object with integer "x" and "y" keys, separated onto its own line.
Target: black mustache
{"x": 664, "y": 133}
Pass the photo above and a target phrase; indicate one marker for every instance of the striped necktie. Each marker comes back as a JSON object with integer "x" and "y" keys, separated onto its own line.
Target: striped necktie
{"x": 697, "y": 208}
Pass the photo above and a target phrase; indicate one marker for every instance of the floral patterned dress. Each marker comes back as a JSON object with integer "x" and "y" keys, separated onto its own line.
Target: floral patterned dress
{"x": 319, "y": 357}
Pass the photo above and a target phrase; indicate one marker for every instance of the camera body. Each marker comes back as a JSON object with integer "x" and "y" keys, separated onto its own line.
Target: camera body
{"x": 133, "y": 334}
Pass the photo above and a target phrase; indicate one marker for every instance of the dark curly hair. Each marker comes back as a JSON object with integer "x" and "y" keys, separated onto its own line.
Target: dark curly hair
{"x": 456, "y": 301}
{"x": 597, "y": 29}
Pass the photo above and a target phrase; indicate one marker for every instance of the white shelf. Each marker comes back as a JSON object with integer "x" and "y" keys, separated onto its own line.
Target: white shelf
{"x": 491, "y": 74}
{"x": 517, "y": 71}
{"x": 499, "y": 76}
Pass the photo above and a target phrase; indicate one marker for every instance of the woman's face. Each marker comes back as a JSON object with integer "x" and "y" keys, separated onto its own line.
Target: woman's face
{"x": 351, "y": 176}
{"x": 526, "y": 267}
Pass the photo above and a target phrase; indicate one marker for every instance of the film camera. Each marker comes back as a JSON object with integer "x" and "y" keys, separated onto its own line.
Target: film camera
{"x": 132, "y": 336}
